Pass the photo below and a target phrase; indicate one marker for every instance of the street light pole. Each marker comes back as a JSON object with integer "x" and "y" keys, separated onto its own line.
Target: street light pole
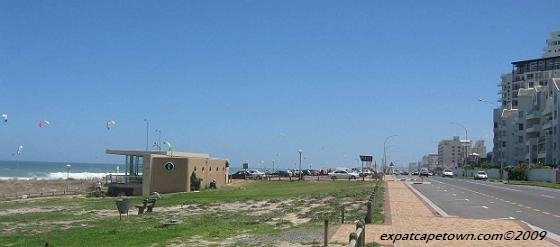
{"x": 67, "y": 174}
{"x": 300, "y": 173}
{"x": 147, "y": 129}
{"x": 466, "y": 147}
{"x": 385, "y": 152}
{"x": 501, "y": 155}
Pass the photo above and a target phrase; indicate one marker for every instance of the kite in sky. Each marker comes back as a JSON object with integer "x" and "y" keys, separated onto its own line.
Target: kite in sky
{"x": 44, "y": 123}
{"x": 110, "y": 124}
{"x": 5, "y": 117}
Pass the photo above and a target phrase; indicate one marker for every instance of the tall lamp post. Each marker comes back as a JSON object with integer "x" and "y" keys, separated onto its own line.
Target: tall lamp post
{"x": 501, "y": 156}
{"x": 385, "y": 152}
{"x": 300, "y": 173}
{"x": 67, "y": 174}
{"x": 147, "y": 129}
{"x": 466, "y": 147}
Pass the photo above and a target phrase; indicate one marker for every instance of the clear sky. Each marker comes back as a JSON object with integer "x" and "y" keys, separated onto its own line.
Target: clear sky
{"x": 258, "y": 80}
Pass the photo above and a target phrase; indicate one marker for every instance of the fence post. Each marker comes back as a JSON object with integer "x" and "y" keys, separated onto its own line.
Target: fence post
{"x": 360, "y": 239}
{"x": 353, "y": 236}
{"x": 342, "y": 214}
{"x": 369, "y": 213}
{"x": 326, "y": 234}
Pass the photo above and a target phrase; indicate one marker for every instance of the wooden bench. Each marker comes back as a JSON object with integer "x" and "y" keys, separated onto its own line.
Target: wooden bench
{"x": 147, "y": 205}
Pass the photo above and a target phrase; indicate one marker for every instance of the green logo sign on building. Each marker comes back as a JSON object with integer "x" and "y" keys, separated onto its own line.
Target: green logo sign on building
{"x": 169, "y": 166}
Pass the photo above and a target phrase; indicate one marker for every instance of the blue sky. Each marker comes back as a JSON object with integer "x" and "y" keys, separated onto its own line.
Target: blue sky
{"x": 258, "y": 80}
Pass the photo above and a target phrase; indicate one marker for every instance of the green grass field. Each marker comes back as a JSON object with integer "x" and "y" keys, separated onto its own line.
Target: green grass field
{"x": 255, "y": 213}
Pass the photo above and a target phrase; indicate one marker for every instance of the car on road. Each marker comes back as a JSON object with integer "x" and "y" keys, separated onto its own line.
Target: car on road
{"x": 366, "y": 173}
{"x": 424, "y": 172}
{"x": 282, "y": 173}
{"x": 240, "y": 175}
{"x": 480, "y": 175}
{"x": 256, "y": 174}
{"x": 447, "y": 173}
{"x": 343, "y": 174}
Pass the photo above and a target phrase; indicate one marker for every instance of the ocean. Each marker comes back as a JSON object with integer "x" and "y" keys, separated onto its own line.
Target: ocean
{"x": 55, "y": 170}
{"x": 25, "y": 170}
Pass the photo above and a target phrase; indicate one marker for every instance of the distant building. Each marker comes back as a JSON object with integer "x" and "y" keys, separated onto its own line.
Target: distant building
{"x": 165, "y": 172}
{"x": 430, "y": 161}
{"x": 451, "y": 153}
{"x": 480, "y": 149}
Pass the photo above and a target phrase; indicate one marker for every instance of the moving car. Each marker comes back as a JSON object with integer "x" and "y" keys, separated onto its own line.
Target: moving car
{"x": 480, "y": 175}
{"x": 447, "y": 173}
{"x": 343, "y": 174}
{"x": 424, "y": 172}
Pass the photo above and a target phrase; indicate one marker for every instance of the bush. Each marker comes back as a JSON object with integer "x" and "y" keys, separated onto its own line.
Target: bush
{"x": 195, "y": 182}
{"x": 518, "y": 172}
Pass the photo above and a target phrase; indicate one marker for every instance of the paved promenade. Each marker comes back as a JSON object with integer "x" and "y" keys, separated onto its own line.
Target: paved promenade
{"x": 410, "y": 214}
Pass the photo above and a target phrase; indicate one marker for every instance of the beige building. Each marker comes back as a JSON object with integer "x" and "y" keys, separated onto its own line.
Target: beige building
{"x": 165, "y": 172}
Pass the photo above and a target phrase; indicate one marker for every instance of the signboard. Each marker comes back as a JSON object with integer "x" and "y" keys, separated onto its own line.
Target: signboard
{"x": 245, "y": 165}
{"x": 366, "y": 158}
{"x": 169, "y": 166}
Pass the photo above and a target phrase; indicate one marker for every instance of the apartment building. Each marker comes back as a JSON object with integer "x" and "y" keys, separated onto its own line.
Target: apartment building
{"x": 525, "y": 126}
{"x": 452, "y": 153}
{"x": 430, "y": 161}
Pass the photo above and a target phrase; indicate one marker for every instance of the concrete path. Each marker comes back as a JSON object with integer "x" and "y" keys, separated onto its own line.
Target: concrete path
{"x": 408, "y": 214}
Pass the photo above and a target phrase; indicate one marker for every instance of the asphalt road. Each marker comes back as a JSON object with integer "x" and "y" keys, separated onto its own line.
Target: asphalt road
{"x": 466, "y": 198}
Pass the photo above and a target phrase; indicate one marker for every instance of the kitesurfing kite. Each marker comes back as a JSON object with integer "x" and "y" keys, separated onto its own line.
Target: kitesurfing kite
{"x": 5, "y": 117}
{"x": 44, "y": 123}
{"x": 110, "y": 124}
{"x": 169, "y": 146}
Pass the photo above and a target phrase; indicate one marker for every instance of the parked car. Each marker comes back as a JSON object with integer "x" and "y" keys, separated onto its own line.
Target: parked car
{"x": 447, "y": 173}
{"x": 404, "y": 173}
{"x": 240, "y": 175}
{"x": 424, "y": 172}
{"x": 480, "y": 175}
{"x": 310, "y": 172}
{"x": 414, "y": 173}
{"x": 366, "y": 173}
{"x": 282, "y": 173}
{"x": 343, "y": 174}
{"x": 256, "y": 174}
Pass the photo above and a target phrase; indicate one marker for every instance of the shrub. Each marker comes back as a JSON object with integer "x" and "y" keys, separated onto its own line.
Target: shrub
{"x": 195, "y": 182}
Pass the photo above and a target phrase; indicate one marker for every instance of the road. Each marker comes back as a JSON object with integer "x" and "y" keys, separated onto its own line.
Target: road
{"x": 467, "y": 198}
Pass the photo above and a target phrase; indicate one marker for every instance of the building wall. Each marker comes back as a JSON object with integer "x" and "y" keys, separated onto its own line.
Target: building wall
{"x": 168, "y": 181}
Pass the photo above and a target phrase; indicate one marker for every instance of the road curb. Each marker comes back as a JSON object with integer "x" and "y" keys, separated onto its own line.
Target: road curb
{"x": 550, "y": 235}
{"x": 437, "y": 209}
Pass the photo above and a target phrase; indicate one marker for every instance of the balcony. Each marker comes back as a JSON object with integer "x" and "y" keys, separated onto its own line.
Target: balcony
{"x": 534, "y": 128}
{"x": 533, "y": 115}
{"x": 548, "y": 125}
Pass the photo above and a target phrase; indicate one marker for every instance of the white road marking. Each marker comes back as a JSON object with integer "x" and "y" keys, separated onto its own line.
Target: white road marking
{"x": 492, "y": 202}
{"x": 454, "y": 194}
{"x": 547, "y": 196}
{"x": 518, "y": 211}
{"x": 485, "y": 207}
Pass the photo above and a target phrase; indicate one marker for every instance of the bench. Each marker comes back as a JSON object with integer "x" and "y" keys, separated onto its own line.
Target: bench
{"x": 147, "y": 205}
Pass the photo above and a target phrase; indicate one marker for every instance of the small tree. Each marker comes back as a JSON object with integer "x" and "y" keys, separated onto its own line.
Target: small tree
{"x": 195, "y": 182}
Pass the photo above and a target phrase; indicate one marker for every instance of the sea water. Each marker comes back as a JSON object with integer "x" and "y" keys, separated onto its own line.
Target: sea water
{"x": 56, "y": 170}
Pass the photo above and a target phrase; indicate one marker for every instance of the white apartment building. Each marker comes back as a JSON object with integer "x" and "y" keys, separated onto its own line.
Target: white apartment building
{"x": 479, "y": 148}
{"x": 452, "y": 153}
{"x": 552, "y": 48}
{"x": 430, "y": 161}
{"x": 525, "y": 126}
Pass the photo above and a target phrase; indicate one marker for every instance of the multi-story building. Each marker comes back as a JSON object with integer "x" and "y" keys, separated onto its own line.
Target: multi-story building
{"x": 480, "y": 149}
{"x": 452, "y": 153}
{"x": 525, "y": 126}
{"x": 430, "y": 161}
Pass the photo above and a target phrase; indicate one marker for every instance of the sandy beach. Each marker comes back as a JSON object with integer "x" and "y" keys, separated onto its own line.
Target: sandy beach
{"x": 14, "y": 188}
